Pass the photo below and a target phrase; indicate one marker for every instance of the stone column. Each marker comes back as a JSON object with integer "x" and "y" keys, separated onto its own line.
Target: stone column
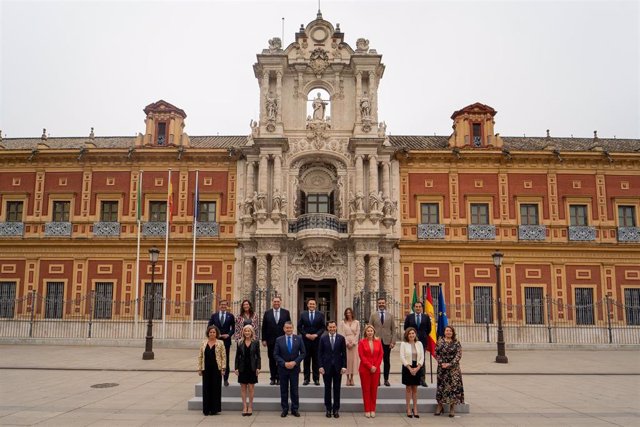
{"x": 373, "y": 173}
{"x": 359, "y": 273}
{"x": 374, "y": 273}
{"x": 388, "y": 274}
{"x": 276, "y": 276}
{"x": 373, "y": 95}
{"x": 279, "y": 94}
{"x": 263, "y": 99}
{"x": 250, "y": 187}
{"x": 247, "y": 285}
{"x": 262, "y": 174}
{"x": 261, "y": 272}
{"x": 385, "y": 179}
{"x": 359, "y": 173}
{"x": 358, "y": 95}
{"x": 277, "y": 173}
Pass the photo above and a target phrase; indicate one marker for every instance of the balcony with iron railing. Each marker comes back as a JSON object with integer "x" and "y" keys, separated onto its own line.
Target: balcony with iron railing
{"x": 317, "y": 221}
{"x": 57, "y": 229}
{"x": 481, "y": 232}
{"x": 11, "y": 229}
{"x": 207, "y": 229}
{"x": 106, "y": 229}
{"x": 154, "y": 229}
{"x": 582, "y": 233}
{"x": 532, "y": 232}
{"x": 628, "y": 234}
{"x": 431, "y": 231}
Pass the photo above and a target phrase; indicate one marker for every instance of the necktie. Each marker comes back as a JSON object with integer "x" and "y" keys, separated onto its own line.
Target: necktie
{"x": 277, "y": 316}
{"x": 382, "y": 317}
{"x": 418, "y": 320}
{"x": 311, "y": 317}
{"x": 289, "y": 345}
{"x": 222, "y": 318}
{"x": 332, "y": 341}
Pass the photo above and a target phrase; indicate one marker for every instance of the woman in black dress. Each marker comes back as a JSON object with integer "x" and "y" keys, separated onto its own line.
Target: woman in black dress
{"x": 450, "y": 388}
{"x": 211, "y": 364}
{"x": 247, "y": 367}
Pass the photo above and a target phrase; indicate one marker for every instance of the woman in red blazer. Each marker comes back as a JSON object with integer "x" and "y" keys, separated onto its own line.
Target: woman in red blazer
{"x": 370, "y": 352}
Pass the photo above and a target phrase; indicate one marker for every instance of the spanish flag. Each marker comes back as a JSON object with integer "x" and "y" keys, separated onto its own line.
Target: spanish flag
{"x": 170, "y": 200}
{"x": 428, "y": 307}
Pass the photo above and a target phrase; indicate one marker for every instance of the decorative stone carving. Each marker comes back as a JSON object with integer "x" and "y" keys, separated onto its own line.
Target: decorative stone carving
{"x": 319, "y": 61}
{"x": 259, "y": 201}
{"x": 254, "y": 128}
{"x": 318, "y": 260}
{"x": 319, "y": 106}
{"x": 356, "y": 202}
{"x": 248, "y": 275}
{"x": 382, "y": 129}
{"x": 359, "y": 273}
{"x": 272, "y": 108}
{"x": 362, "y": 45}
{"x": 365, "y": 108}
{"x": 276, "y": 274}
{"x": 275, "y": 44}
{"x": 389, "y": 208}
{"x": 277, "y": 201}
{"x": 317, "y": 133}
{"x": 375, "y": 201}
{"x": 261, "y": 272}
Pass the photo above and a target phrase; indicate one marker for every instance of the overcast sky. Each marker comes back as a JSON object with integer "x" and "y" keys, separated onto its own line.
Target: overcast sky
{"x": 568, "y": 66}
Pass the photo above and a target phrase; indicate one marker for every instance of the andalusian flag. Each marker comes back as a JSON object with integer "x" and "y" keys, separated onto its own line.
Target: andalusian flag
{"x": 414, "y": 300}
{"x": 428, "y": 308}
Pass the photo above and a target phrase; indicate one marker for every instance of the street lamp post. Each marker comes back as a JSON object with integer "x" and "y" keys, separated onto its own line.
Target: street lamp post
{"x": 148, "y": 346}
{"x": 497, "y": 262}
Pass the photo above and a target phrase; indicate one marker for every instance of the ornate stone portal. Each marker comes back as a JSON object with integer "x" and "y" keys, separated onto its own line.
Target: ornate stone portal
{"x": 339, "y": 177}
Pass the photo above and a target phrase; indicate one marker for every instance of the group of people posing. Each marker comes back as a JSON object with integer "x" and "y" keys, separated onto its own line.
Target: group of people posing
{"x": 328, "y": 349}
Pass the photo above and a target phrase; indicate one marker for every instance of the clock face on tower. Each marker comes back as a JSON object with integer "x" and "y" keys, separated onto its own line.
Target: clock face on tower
{"x": 319, "y": 34}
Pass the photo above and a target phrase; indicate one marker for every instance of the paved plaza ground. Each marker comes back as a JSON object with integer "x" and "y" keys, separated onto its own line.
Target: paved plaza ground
{"x": 51, "y": 385}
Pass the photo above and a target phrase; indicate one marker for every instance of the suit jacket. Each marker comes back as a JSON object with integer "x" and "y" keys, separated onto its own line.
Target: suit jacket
{"x": 387, "y": 331}
{"x": 227, "y": 328}
{"x": 423, "y": 330}
{"x": 281, "y": 351}
{"x": 405, "y": 353}
{"x": 221, "y": 355}
{"x": 336, "y": 358}
{"x": 272, "y": 330}
{"x": 253, "y": 353}
{"x": 368, "y": 358}
{"x": 305, "y": 326}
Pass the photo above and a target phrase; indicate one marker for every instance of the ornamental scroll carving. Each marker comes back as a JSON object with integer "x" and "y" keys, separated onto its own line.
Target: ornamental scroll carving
{"x": 319, "y": 61}
{"x": 318, "y": 261}
{"x": 301, "y": 145}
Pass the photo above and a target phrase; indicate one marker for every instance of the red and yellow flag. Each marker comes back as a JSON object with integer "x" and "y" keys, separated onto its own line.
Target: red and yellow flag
{"x": 170, "y": 201}
{"x": 428, "y": 308}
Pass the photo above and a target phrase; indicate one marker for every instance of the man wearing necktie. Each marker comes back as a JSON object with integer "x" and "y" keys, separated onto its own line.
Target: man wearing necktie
{"x": 385, "y": 327}
{"x": 332, "y": 355}
{"x": 311, "y": 326}
{"x": 289, "y": 352}
{"x": 273, "y": 322}
{"x": 422, "y": 323}
{"x": 226, "y": 323}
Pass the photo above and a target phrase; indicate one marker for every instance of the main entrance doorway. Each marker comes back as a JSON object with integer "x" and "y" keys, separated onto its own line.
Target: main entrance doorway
{"x": 324, "y": 292}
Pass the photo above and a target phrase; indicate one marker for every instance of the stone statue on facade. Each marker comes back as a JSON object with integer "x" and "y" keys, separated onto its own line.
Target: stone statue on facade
{"x": 259, "y": 199}
{"x": 365, "y": 108}
{"x": 272, "y": 108}
{"x": 389, "y": 208}
{"x": 362, "y": 45}
{"x": 275, "y": 44}
{"x": 375, "y": 201}
{"x": 277, "y": 201}
{"x": 382, "y": 129}
{"x": 319, "y": 106}
{"x": 254, "y": 128}
{"x": 248, "y": 206}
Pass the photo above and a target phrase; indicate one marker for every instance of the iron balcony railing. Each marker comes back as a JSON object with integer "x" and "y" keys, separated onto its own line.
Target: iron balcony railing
{"x": 532, "y": 232}
{"x": 582, "y": 233}
{"x": 104, "y": 229}
{"x": 54, "y": 229}
{"x": 430, "y": 231}
{"x": 481, "y": 232}
{"x": 11, "y": 229}
{"x": 628, "y": 234}
{"x": 321, "y": 221}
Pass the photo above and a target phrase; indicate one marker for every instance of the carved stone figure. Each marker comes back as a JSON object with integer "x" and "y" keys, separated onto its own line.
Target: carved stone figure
{"x": 359, "y": 201}
{"x": 272, "y": 108}
{"x": 382, "y": 129}
{"x": 277, "y": 201}
{"x": 389, "y": 208}
{"x": 362, "y": 45}
{"x": 375, "y": 201}
{"x": 365, "y": 108}
{"x": 248, "y": 206}
{"x": 275, "y": 44}
{"x": 319, "y": 106}
{"x": 318, "y": 60}
{"x": 259, "y": 201}
{"x": 254, "y": 128}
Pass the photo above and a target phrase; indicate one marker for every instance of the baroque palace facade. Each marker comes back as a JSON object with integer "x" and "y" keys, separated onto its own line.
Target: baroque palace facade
{"x": 319, "y": 201}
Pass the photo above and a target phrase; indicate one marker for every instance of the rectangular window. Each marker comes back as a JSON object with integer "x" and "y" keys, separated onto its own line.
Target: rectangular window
{"x": 61, "y": 211}
{"x": 534, "y": 305}
{"x": 529, "y": 214}
{"x": 203, "y": 302}
{"x": 479, "y": 214}
{"x": 7, "y": 299}
{"x": 317, "y": 203}
{"x": 54, "y": 300}
{"x": 103, "y": 301}
{"x": 109, "y": 211}
{"x": 632, "y": 306}
{"x": 207, "y": 212}
{"x": 483, "y": 304}
{"x": 430, "y": 214}
{"x": 157, "y": 211}
{"x": 477, "y": 135}
{"x": 627, "y": 216}
{"x": 162, "y": 133}
{"x": 578, "y": 215}
{"x": 584, "y": 306}
{"x": 14, "y": 212}
{"x": 154, "y": 304}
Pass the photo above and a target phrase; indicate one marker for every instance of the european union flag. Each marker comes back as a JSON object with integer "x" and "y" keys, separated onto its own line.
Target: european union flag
{"x": 442, "y": 314}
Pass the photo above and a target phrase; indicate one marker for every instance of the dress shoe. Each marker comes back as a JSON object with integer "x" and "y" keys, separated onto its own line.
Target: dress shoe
{"x": 295, "y": 414}
{"x": 277, "y": 382}
{"x": 367, "y": 414}
{"x": 373, "y": 415}
{"x": 386, "y": 382}
{"x": 306, "y": 382}
{"x": 424, "y": 384}
{"x": 226, "y": 383}
{"x": 439, "y": 410}
{"x": 283, "y": 414}
{"x": 272, "y": 382}
{"x": 336, "y": 414}
{"x": 316, "y": 382}
{"x": 328, "y": 414}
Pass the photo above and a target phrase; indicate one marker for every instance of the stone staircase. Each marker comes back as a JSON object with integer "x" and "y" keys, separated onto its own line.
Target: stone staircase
{"x": 267, "y": 398}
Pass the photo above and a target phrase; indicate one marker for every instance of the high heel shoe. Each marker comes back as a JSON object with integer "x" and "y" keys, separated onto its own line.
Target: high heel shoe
{"x": 439, "y": 410}
{"x": 409, "y": 414}
{"x": 452, "y": 412}
{"x": 415, "y": 415}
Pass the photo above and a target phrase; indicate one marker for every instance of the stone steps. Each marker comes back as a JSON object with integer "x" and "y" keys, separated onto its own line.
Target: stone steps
{"x": 267, "y": 398}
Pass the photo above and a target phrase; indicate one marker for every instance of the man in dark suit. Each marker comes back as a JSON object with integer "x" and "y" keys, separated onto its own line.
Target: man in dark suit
{"x": 227, "y": 324}
{"x": 332, "y": 355}
{"x": 272, "y": 327}
{"x": 289, "y": 353}
{"x": 311, "y": 327}
{"x": 422, "y": 323}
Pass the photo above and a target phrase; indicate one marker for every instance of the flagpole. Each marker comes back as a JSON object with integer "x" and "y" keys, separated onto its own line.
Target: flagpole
{"x": 193, "y": 254}
{"x": 137, "y": 286}
{"x": 166, "y": 256}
